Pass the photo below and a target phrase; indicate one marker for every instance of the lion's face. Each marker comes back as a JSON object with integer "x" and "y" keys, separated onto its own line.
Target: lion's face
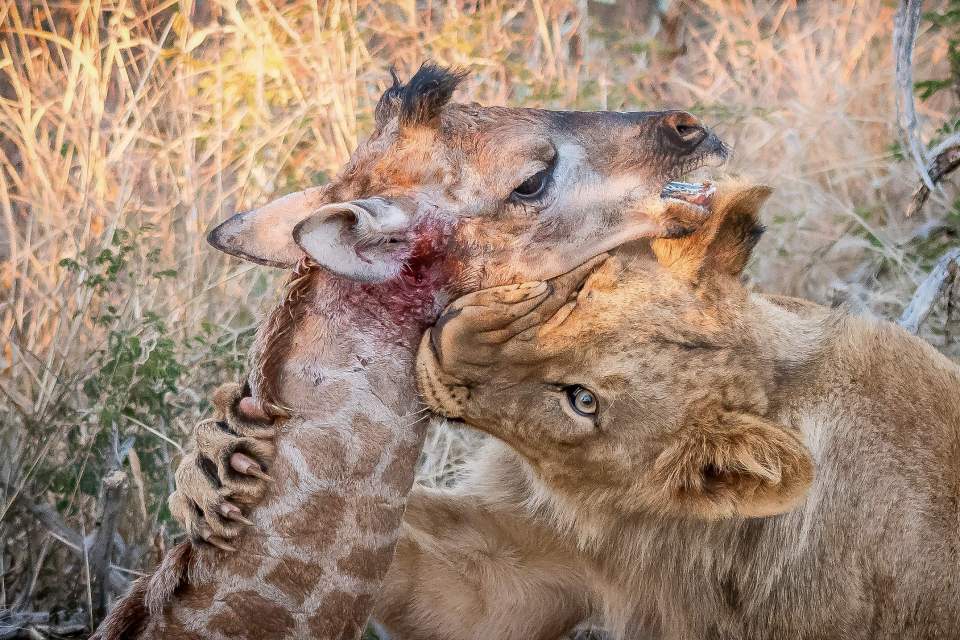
{"x": 639, "y": 389}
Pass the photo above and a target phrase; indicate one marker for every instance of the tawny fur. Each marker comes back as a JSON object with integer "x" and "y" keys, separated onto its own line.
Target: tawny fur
{"x": 716, "y": 406}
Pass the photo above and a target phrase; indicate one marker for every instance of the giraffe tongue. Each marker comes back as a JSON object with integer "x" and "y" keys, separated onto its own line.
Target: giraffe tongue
{"x": 697, "y": 193}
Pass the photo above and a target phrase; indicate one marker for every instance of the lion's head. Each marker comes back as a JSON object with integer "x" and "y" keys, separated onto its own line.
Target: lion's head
{"x": 631, "y": 385}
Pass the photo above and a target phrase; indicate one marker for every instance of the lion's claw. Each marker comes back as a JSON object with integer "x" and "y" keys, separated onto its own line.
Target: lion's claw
{"x": 232, "y": 512}
{"x": 226, "y": 469}
{"x": 248, "y": 466}
{"x": 208, "y": 536}
{"x": 252, "y": 410}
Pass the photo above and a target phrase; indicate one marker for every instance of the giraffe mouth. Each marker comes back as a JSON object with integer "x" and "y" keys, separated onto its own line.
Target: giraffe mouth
{"x": 696, "y": 196}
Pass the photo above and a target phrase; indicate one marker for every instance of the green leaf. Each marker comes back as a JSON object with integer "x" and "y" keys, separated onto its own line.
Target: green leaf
{"x": 926, "y": 89}
{"x": 945, "y": 19}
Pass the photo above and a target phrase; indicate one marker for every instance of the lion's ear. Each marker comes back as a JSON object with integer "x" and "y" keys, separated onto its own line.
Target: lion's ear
{"x": 724, "y": 243}
{"x": 733, "y": 464}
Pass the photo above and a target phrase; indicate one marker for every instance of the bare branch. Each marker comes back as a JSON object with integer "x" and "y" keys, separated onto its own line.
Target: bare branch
{"x": 113, "y": 489}
{"x": 48, "y": 517}
{"x": 19, "y": 624}
{"x": 51, "y": 520}
{"x": 946, "y": 158}
{"x": 939, "y": 278}
{"x": 904, "y": 33}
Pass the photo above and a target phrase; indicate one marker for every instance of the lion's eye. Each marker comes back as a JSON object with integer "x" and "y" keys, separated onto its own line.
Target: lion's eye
{"x": 582, "y": 400}
{"x": 533, "y": 186}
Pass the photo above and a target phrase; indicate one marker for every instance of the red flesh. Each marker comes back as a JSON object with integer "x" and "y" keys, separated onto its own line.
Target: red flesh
{"x": 410, "y": 301}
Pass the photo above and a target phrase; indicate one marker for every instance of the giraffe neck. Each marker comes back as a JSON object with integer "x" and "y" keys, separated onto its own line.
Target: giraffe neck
{"x": 325, "y": 535}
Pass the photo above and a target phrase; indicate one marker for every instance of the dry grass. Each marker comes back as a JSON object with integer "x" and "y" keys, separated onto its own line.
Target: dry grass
{"x": 131, "y": 131}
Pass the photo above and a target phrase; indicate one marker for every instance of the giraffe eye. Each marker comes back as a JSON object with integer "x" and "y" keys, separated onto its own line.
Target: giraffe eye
{"x": 582, "y": 400}
{"x": 533, "y": 186}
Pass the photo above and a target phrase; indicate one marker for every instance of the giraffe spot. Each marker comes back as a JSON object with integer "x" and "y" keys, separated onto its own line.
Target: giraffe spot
{"x": 411, "y": 443}
{"x": 333, "y": 396}
{"x": 314, "y": 527}
{"x": 375, "y": 439}
{"x": 342, "y": 615}
{"x": 246, "y": 561}
{"x": 284, "y": 474}
{"x": 246, "y": 615}
{"x": 324, "y": 450}
{"x": 378, "y": 515}
{"x": 192, "y": 596}
{"x": 296, "y": 578}
{"x": 399, "y": 473}
{"x": 385, "y": 381}
{"x": 367, "y": 564}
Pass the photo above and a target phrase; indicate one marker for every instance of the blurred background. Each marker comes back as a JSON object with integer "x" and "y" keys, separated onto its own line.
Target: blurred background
{"x": 129, "y": 127}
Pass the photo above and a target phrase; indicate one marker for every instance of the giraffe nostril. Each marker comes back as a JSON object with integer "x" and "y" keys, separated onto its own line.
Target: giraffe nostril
{"x": 684, "y": 131}
{"x": 689, "y": 132}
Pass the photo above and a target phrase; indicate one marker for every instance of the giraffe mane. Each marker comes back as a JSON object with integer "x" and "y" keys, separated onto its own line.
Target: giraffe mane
{"x": 278, "y": 338}
{"x": 148, "y": 595}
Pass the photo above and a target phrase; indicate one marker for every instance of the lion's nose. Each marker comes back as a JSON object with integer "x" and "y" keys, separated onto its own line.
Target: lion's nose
{"x": 684, "y": 130}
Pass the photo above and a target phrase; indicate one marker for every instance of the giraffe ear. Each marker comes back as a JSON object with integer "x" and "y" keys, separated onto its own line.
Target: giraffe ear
{"x": 733, "y": 464}
{"x": 265, "y": 235}
{"x": 724, "y": 243}
{"x": 365, "y": 240}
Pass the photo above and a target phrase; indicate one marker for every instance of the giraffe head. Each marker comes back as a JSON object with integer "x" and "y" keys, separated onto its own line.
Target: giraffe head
{"x": 446, "y": 197}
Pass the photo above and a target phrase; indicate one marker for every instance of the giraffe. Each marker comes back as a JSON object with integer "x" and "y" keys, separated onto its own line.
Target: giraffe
{"x": 441, "y": 199}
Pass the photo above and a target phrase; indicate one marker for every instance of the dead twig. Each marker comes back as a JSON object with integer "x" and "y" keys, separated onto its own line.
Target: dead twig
{"x": 112, "y": 499}
{"x": 112, "y": 493}
{"x": 20, "y": 624}
{"x": 904, "y": 33}
{"x": 50, "y": 519}
{"x": 939, "y": 279}
{"x": 946, "y": 158}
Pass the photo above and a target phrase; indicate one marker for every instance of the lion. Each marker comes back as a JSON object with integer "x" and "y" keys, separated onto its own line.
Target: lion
{"x": 675, "y": 456}
{"x": 699, "y": 461}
